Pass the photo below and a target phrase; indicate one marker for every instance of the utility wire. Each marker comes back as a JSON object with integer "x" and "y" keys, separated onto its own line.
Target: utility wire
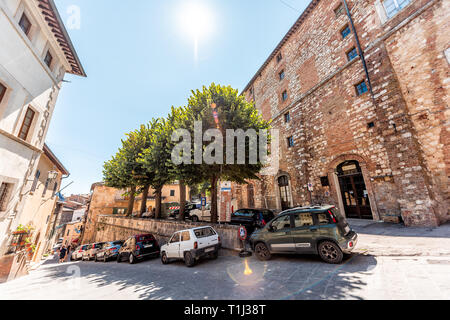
{"x": 289, "y": 6}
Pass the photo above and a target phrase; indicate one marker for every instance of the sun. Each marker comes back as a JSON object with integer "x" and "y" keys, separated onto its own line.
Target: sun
{"x": 196, "y": 20}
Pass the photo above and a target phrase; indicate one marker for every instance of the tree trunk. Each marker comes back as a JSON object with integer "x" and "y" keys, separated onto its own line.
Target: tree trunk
{"x": 158, "y": 203}
{"x": 214, "y": 216}
{"x": 131, "y": 201}
{"x": 182, "y": 199}
{"x": 144, "y": 200}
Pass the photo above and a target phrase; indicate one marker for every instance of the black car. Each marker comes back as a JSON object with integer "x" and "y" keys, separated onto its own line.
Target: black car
{"x": 109, "y": 251}
{"x": 252, "y": 219}
{"x": 138, "y": 247}
{"x": 175, "y": 214}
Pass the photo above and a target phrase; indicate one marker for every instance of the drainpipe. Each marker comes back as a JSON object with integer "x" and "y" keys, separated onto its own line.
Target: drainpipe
{"x": 361, "y": 53}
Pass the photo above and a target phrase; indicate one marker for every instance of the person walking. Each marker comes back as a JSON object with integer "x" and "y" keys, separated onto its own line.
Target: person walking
{"x": 69, "y": 248}
{"x": 62, "y": 254}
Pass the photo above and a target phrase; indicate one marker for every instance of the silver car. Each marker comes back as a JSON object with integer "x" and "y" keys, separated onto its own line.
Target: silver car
{"x": 91, "y": 251}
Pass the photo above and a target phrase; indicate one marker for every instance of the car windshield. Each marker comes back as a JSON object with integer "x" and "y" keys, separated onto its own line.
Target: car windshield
{"x": 145, "y": 240}
{"x": 243, "y": 213}
{"x": 204, "y": 232}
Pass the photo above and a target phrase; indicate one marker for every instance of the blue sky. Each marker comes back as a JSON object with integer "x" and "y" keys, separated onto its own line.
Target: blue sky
{"x": 140, "y": 61}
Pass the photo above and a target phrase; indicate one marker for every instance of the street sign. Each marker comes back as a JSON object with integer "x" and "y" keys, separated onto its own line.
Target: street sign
{"x": 310, "y": 187}
{"x": 242, "y": 233}
{"x": 203, "y": 201}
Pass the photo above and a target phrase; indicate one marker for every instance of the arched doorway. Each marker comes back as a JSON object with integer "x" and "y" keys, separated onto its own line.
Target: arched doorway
{"x": 285, "y": 192}
{"x": 355, "y": 196}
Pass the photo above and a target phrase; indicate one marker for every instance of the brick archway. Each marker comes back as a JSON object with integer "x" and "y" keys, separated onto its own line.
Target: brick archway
{"x": 278, "y": 192}
{"x": 366, "y": 167}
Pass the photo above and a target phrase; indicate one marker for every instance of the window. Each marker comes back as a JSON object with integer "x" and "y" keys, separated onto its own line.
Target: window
{"x": 279, "y": 57}
{"x": 303, "y": 220}
{"x": 352, "y": 54}
{"x": 322, "y": 218}
{"x": 394, "y": 6}
{"x": 46, "y": 187}
{"x": 339, "y": 11}
{"x": 55, "y": 188}
{"x": 324, "y": 181}
{"x": 287, "y": 117}
{"x": 284, "y": 95}
{"x": 185, "y": 236}
{"x": 175, "y": 238}
{"x": 48, "y": 59}
{"x": 345, "y": 32}
{"x": 281, "y": 75}
{"x": 204, "y": 232}
{"x": 27, "y": 121}
{"x": 68, "y": 232}
{"x": 36, "y": 180}
{"x": 25, "y": 24}
{"x": 290, "y": 142}
{"x": 361, "y": 88}
{"x": 2, "y": 92}
{"x": 281, "y": 223}
{"x": 243, "y": 213}
{"x": 172, "y": 193}
{"x": 120, "y": 211}
{"x": 4, "y": 193}
{"x": 371, "y": 125}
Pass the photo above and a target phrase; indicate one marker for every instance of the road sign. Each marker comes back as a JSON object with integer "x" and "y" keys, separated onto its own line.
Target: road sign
{"x": 242, "y": 233}
{"x": 203, "y": 202}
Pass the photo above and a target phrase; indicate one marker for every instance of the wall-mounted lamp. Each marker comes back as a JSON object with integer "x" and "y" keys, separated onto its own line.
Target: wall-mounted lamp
{"x": 52, "y": 175}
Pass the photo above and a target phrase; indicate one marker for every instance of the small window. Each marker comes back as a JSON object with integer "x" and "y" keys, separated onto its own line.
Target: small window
{"x": 55, "y": 189}
{"x": 361, "y": 88}
{"x": 322, "y": 218}
{"x": 5, "y": 189}
{"x": 284, "y": 95}
{"x": 290, "y": 142}
{"x": 392, "y": 7}
{"x": 46, "y": 187}
{"x": 27, "y": 121}
{"x": 175, "y": 238}
{"x": 287, "y": 117}
{"x": 25, "y": 24}
{"x": 172, "y": 193}
{"x": 352, "y": 54}
{"x": 339, "y": 11}
{"x": 2, "y": 92}
{"x": 185, "y": 236}
{"x": 279, "y": 57}
{"x": 371, "y": 125}
{"x": 345, "y": 32}
{"x": 324, "y": 181}
{"x": 36, "y": 180}
{"x": 48, "y": 59}
{"x": 251, "y": 91}
{"x": 281, "y": 75}
{"x": 303, "y": 220}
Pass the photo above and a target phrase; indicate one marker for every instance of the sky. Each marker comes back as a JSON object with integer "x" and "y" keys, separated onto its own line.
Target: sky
{"x": 141, "y": 58}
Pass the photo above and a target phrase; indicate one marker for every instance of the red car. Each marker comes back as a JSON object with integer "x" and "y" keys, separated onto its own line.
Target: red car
{"x": 138, "y": 247}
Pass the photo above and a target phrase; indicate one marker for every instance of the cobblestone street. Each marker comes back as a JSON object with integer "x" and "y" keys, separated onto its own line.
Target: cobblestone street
{"x": 385, "y": 275}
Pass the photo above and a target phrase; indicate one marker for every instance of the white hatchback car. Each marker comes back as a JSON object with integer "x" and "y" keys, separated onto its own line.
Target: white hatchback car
{"x": 191, "y": 245}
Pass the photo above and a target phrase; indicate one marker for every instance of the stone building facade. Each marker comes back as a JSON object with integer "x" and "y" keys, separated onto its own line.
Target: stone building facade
{"x": 36, "y": 53}
{"x": 360, "y": 99}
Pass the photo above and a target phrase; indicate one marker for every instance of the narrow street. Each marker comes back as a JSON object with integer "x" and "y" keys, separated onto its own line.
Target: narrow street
{"x": 420, "y": 273}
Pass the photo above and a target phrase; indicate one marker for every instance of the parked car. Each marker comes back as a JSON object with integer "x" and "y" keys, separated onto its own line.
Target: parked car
{"x": 307, "y": 230}
{"x": 137, "y": 248}
{"x": 109, "y": 251}
{"x": 91, "y": 251}
{"x": 191, "y": 245}
{"x": 175, "y": 214}
{"x": 252, "y": 219}
{"x": 77, "y": 254}
{"x": 197, "y": 214}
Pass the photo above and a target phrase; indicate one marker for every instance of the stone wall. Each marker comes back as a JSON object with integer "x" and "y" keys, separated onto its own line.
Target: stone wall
{"x": 398, "y": 133}
{"x": 111, "y": 228}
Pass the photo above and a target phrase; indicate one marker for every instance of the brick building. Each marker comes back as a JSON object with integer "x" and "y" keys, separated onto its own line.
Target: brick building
{"x": 361, "y": 101}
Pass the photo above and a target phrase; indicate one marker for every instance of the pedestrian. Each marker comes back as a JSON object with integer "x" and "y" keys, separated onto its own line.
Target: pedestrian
{"x": 69, "y": 248}
{"x": 62, "y": 254}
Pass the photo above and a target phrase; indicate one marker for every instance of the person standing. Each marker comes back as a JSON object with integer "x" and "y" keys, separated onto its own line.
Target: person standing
{"x": 69, "y": 249}
{"x": 62, "y": 254}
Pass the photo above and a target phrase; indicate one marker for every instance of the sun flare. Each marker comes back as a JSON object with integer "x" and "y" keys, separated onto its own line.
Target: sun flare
{"x": 196, "y": 20}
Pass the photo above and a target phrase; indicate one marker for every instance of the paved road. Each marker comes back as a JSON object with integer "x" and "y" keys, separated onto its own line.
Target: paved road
{"x": 302, "y": 277}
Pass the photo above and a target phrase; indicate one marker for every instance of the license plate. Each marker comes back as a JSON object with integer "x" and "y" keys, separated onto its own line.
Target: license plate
{"x": 347, "y": 229}
{"x": 209, "y": 250}
{"x": 148, "y": 246}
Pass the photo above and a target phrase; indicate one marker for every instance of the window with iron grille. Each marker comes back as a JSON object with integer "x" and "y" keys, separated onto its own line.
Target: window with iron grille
{"x": 281, "y": 75}
{"x": 392, "y": 7}
{"x": 4, "y": 192}
{"x": 345, "y": 32}
{"x": 290, "y": 142}
{"x": 25, "y": 24}
{"x": 284, "y": 95}
{"x": 361, "y": 88}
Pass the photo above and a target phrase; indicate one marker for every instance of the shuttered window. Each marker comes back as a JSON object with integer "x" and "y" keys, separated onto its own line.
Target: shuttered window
{"x": 27, "y": 121}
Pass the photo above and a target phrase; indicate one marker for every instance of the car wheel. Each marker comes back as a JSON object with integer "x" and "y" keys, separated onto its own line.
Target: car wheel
{"x": 189, "y": 259}
{"x": 194, "y": 219}
{"x": 262, "y": 252}
{"x": 330, "y": 252}
{"x": 131, "y": 259}
{"x": 164, "y": 258}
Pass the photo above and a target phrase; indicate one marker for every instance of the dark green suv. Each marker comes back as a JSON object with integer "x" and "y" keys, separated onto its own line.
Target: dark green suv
{"x": 307, "y": 230}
